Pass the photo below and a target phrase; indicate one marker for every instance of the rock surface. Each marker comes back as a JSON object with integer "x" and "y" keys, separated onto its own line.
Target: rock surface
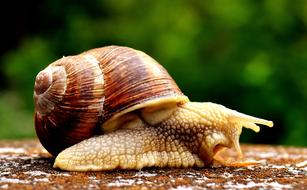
{"x": 26, "y": 165}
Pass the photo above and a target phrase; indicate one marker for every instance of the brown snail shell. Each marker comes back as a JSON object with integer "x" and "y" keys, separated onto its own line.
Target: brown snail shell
{"x": 75, "y": 95}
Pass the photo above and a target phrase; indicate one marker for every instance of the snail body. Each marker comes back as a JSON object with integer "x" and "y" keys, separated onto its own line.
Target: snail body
{"x": 116, "y": 107}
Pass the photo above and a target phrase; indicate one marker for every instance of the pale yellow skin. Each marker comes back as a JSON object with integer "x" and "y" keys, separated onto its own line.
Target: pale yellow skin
{"x": 191, "y": 135}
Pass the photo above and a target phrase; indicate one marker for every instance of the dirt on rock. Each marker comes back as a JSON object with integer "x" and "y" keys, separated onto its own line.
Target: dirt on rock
{"x": 27, "y": 165}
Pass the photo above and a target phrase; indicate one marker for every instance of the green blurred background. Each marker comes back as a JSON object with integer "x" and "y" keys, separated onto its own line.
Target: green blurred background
{"x": 247, "y": 55}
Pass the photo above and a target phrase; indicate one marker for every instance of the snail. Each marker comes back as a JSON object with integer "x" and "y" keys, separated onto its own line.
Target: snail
{"x": 117, "y": 108}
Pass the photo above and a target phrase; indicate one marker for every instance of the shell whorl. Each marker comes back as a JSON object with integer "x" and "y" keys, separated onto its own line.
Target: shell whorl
{"x": 131, "y": 77}
{"x": 75, "y": 95}
{"x": 49, "y": 88}
{"x": 71, "y": 107}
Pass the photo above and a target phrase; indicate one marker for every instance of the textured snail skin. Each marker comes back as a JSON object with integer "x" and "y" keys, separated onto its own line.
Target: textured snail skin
{"x": 192, "y": 135}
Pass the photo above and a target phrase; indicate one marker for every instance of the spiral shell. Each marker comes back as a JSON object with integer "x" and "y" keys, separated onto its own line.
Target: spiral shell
{"x": 76, "y": 96}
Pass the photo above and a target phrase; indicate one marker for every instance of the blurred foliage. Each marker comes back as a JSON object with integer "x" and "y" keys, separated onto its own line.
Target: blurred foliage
{"x": 248, "y": 55}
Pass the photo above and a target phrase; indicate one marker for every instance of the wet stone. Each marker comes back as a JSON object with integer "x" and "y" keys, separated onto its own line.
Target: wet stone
{"x": 26, "y": 165}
